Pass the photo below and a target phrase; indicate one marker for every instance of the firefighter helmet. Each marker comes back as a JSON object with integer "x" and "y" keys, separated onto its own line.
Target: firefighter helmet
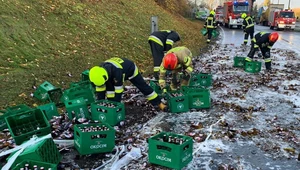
{"x": 170, "y": 61}
{"x": 273, "y": 37}
{"x": 244, "y": 15}
{"x": 212, "y": 13}
{"x": 98, "y": 75}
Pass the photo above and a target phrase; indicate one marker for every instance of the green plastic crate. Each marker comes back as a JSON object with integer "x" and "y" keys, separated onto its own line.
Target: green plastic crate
{"x": 155, "y": 86}
{"x": 43, "y": 151}
{"x": 47, "y": 166}
{"x": 55, "y": 96}
{"x": 23, "y": 126}
{"x": 94, "y": 141}
{"x": 177, "y": 104}
{"x": 77, "y": 108}
{"x": 41, "y": 92}
{"x": 2, "y": 120}
{"x": 110, "y": 115}
{"x": 80, "y": 83}
{"x": 215, "y": 33}
{"x": 85, "y": 91}
{"x": 199, "y": 98}
{"x": 85, "y": 75}
{"x": 171, "y": 155}
{"x": 49, "y": 110}
{"x": 252, "y": 67}
{"x": 201, "y": 79}
{"x": 203, "y": 31}
{"x": 238, "y": 62}
{"x": 17, "y": 109}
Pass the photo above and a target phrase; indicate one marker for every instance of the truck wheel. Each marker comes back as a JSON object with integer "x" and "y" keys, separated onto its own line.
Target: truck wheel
{"x": 230, "y": 26}
{"x": 239, "y": 26}
{"x": 271, "y": 27}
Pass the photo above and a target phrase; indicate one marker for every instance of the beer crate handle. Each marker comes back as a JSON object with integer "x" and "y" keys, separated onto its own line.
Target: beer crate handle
{"x": 22, "y": 116}
{"x": 180, "y": 100}
{"x": 186, "y": 146}
{"x": 165, "y": 148}
{"x": 102, "y": 110}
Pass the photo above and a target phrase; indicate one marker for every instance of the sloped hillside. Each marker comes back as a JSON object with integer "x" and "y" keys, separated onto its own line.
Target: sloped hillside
{"x": 55, "y": 40}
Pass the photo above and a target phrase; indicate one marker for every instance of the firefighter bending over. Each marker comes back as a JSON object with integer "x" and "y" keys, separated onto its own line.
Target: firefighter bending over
{"x": 109, "y": 78}
{"x": 179, "y": 60}
{"x": 263, "y": 41}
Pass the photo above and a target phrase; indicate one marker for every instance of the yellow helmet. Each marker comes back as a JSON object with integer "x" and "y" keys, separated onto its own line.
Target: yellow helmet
{"x": 212, "y": 12}
{"x": 98, "y": 75}
{"x": 244, "y": 15}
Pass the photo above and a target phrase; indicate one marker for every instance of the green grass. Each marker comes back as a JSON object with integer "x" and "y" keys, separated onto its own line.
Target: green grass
{"x": 46, "y": 40}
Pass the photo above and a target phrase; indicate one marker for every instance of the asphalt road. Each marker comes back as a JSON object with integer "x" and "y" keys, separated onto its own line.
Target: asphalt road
{"x": 287, "y": 40}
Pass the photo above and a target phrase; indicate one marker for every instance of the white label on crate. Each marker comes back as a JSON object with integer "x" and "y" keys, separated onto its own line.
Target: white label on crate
{"x": 186, "y": 157}
{"x": 180, "y": 106}
{"x": 198, "y": 103}
{"x": 119, "y": 116}
{"x": 163, "y": 158}
{"x": 102, "y": 117}
{"x": 98, "y": 146}
{"x": 77, "y": 143}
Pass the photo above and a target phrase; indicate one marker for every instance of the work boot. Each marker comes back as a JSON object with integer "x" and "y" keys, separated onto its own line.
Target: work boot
{"x": 163, "y": 107}
{"x": 268, "y": 65}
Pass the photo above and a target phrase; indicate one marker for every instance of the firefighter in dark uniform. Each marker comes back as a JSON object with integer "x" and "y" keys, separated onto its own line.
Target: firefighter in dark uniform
{"x": 161, "y": 42}
{"x": 210, "y": 25}
{"x": 264, "y": 41}
{"x": 248, "y": 26}
{"x": 109, "y": 78}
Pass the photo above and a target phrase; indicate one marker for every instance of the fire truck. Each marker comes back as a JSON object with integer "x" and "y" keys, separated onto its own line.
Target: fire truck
{"x": 233, "y": 10}
{"x": 219, "y": 15}
{"x": 282, "y": 19}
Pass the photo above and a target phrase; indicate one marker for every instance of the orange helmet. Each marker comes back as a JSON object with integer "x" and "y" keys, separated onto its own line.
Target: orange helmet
{"x": 170, "y": 61}
{"x": 273, "y": 37}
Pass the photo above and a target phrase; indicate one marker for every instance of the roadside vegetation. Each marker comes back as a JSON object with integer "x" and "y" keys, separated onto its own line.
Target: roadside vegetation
{"x": 56, "y": 40}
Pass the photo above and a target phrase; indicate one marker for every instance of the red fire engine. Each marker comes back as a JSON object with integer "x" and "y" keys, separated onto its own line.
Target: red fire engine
{"x": 219, "y": 15}
{"x": 282, "y": 19}
{"x": 233, "y": 10}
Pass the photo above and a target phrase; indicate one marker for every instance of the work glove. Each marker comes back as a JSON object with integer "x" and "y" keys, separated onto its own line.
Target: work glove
{"x": 259, "y": 55}
{"x": 163, "y": 107}
{"x": 162, "y": 84}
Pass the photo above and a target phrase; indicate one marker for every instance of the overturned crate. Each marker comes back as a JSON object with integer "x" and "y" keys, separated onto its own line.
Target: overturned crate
{"x": 47, "y": 91}
{"x": 108, "y": 111}
{"x": 23, "y": 126}
{"x": 199, "y": 98}
{"x": 44, "y": 151}
{"x": 170, "y": 150}
{"x": 94, "y": 138}
{"x": 177, "y": 101}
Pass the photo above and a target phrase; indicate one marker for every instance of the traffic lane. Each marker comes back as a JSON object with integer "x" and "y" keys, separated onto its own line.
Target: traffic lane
{"x": 287, "y": 39}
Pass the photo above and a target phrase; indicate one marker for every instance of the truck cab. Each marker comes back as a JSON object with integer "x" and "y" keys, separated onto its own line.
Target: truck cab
{"x": 282, "y": 19}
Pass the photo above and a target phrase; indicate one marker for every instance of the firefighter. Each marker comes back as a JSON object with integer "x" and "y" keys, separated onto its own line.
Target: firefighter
{"x": 161, "y": 42}
{"x": 109, "y": 78}
{"x": 248, "y": 26}
{"x": 264, "y": 41}
{"x": 177, "y": 60}
{"x": 210, "y": 25}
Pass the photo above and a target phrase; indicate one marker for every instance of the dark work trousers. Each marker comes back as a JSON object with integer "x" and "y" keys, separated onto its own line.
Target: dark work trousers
{"x": 209, "y": 33}
{"x": 157, "y": 54}
{"x": 140, "y": 83}
{"x": 246, "y": 36}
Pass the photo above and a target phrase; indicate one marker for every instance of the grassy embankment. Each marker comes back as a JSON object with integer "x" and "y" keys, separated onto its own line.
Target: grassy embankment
{"x": 47, "y": 40}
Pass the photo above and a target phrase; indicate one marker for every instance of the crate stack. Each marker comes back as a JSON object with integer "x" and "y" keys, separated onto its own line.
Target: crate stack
{"x": 250, "y": 67}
